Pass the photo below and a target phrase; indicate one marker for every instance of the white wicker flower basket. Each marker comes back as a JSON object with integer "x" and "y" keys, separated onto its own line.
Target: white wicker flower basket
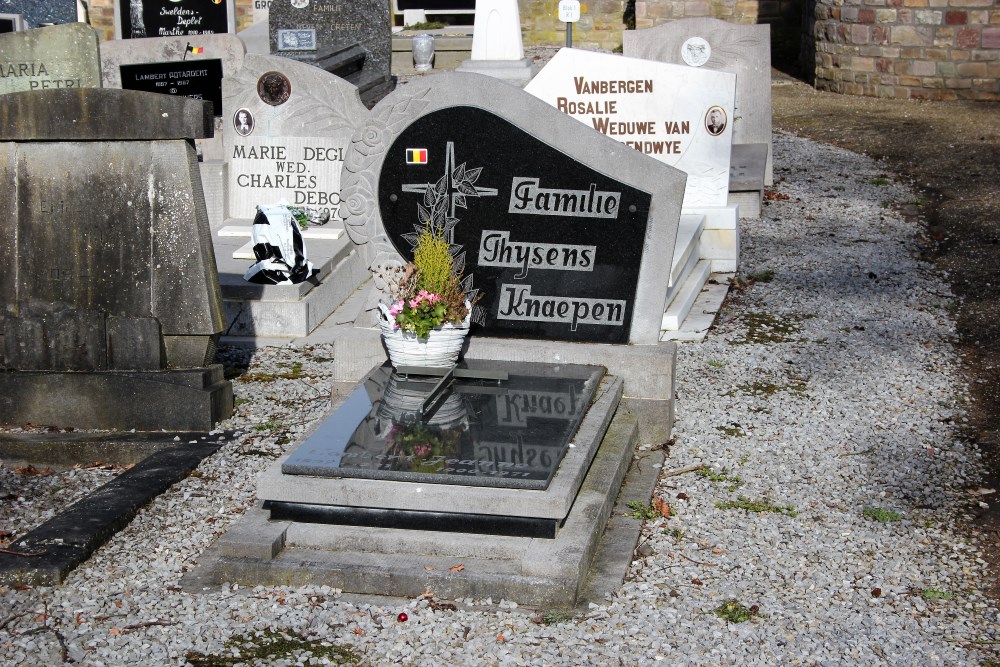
{"x": 441, "y": 348}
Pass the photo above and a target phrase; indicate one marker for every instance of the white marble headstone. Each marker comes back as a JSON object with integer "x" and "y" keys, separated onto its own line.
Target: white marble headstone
{"x": 744, "y": 50}
{"x": 682, "y": 116}
{"x": 287, "y": 126}
{"x": 496, "y": 34}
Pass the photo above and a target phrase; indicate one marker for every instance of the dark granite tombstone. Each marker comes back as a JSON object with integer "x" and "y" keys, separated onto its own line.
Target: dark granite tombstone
{"x": 564, "y": 232}
{"x": 108, "y": 286}
{"x": 340, "y": 28}
{"x": 37, "y": 13}
{"x": 173, "y": 18}
{"x": 197, "y": 79}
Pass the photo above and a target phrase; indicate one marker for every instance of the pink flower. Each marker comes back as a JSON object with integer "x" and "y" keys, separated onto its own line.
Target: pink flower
{"x": 414, "y": 302}
{"x": 422, "y": 450}
{"x": 396, "y": 308}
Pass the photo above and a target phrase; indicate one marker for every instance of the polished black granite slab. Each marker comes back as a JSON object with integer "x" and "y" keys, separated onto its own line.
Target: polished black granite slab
{"x": 510, "y": 433}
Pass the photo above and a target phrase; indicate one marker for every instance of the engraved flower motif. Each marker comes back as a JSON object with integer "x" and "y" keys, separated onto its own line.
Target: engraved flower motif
{"x": 358, "y": 208}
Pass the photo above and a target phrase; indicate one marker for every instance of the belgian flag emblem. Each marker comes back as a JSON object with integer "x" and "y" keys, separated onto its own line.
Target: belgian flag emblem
{"x": 416, "y": 156}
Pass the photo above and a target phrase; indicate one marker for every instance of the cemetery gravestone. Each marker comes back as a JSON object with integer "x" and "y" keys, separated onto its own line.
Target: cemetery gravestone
{"x": 338, "y": 26}
{"x": 110, "y": 296}
{"x": 11, "y": 23}
{"x": 37, "y": 13}
{"x": 135, "y": 19}
{"x": 61, "y": 56}
{"x": 288, "y": 127}
{"x": 744, "y": 50}
{"x": 679, "y": 115}
{"x": 559, "y": 247}
{"x": 497, "y": 49}
{"x": 186, "y": 66}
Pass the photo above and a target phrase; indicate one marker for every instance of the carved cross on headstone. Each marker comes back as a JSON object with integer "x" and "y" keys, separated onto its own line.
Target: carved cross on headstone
{"x": 459, "y": 184}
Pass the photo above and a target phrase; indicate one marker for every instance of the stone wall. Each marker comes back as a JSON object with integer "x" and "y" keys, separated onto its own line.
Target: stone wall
{"x": 920, "y": 49}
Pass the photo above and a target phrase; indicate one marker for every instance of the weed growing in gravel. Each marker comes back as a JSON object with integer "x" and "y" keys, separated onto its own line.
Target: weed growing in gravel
{"x": 757, "y": 506}
{"x": 881, "y": 515}
{"x": 795, "y": 385}
{"x": 879, "y": 180}
{"x": 765, "y": 276}
{"x": 250, "y": 647}
{"x": 935, "y": 594}
{"x": 676, "y": 534}
{"x": 767, "y": 328}
{"x": 555, "y": 616}
{"x": 294, "y": 372}
{"x": 733, "y": 431}
{"x": 643, "y": 511}
{"x": 735, "y": 612}
{"x": 715, "y": 363}
{"x": 269, "y": 425}
{"x": 723, "y": 477}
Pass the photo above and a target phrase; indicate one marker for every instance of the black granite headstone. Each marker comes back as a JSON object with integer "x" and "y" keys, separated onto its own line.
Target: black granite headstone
{"x": 41, "y": 12}
{"x": 197, "y": 79}
{"x": 171, "y": 18}
{"x": 339, "y": 25}
{"x": 553, "y": 245}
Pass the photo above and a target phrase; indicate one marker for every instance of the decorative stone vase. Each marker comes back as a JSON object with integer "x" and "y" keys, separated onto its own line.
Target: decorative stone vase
{"x": 441, "y": 348}
{"x": 423, "y": 52}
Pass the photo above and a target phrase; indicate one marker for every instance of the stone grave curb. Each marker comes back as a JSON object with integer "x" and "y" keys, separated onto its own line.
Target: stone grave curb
{"x": 74, "y": 534}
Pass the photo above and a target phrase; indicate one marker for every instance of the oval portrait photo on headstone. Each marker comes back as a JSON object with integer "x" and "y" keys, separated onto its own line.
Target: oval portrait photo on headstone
{"x": 696, "y": 51}
{"x": 300, "y": 4}
{"x": 715, "y": 121}
{"x": 243, "y": 122}
{"x": 274, "y": 88}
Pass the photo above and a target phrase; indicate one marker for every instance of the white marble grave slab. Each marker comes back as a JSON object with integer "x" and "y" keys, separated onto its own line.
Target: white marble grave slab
{"x": 682, "y": 116}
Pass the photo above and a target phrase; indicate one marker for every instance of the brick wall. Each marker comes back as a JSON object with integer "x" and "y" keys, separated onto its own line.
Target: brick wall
{"x": 921, "y": 49}
{"x": 601, "y": 24}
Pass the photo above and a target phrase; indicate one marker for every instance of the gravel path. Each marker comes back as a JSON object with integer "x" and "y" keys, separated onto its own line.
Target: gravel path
{"x": 826, "y": 401}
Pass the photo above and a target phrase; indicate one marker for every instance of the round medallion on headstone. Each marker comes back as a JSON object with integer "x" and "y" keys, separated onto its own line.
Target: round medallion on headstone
{"x": 300, "y": 4}
{"x": 696, "y": 51}
{"x": 243, "y": 122}
{"x": 715, "y": 121}
{"x": 274, "y": 88}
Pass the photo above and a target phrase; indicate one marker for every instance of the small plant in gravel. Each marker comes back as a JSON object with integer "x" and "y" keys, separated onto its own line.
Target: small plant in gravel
{"x": 676, "y": 534}
{"x": 757, "y": 506}
{"x": 268, "y": 426}
{"x": 554, "y": 616}
{"x": 879, "y": 180}
{"x": 722, "y": 477}
{"x": 935, "y": 594}
{"x": 643, "y": 511}
{"x": 715, "y": 363}
{"x": 734, "y": 611}
{"x": 733, "y": 431}
{"x": 271, "y": 645}
{"x": 881, "y": 515}
{"x": 765, "y": 276}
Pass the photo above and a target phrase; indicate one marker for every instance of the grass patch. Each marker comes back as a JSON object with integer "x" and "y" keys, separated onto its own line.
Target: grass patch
{"x": 715, "y": 363}
{"x": 935, "y": 594}
{"x": 424, "y": 25}
{"x": 294, "y": 372}
{"x": 765, "y": 276}
{"x": 643, "y": 511}
{"x": 757, "y": 506}
{"x": 795, "y": 386}
{"x": 767, "y": 328}
{"x": 555, "y": 616}
{"x": 273, "y": 645}
{"x": 269, "y": 425}
{"x": 881, "y": 515}
{"x": 723, "y": 477}
{"x": 733, "y": 431}
{"x": 734, "y": 611}
{"x": 879, "y": 180}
